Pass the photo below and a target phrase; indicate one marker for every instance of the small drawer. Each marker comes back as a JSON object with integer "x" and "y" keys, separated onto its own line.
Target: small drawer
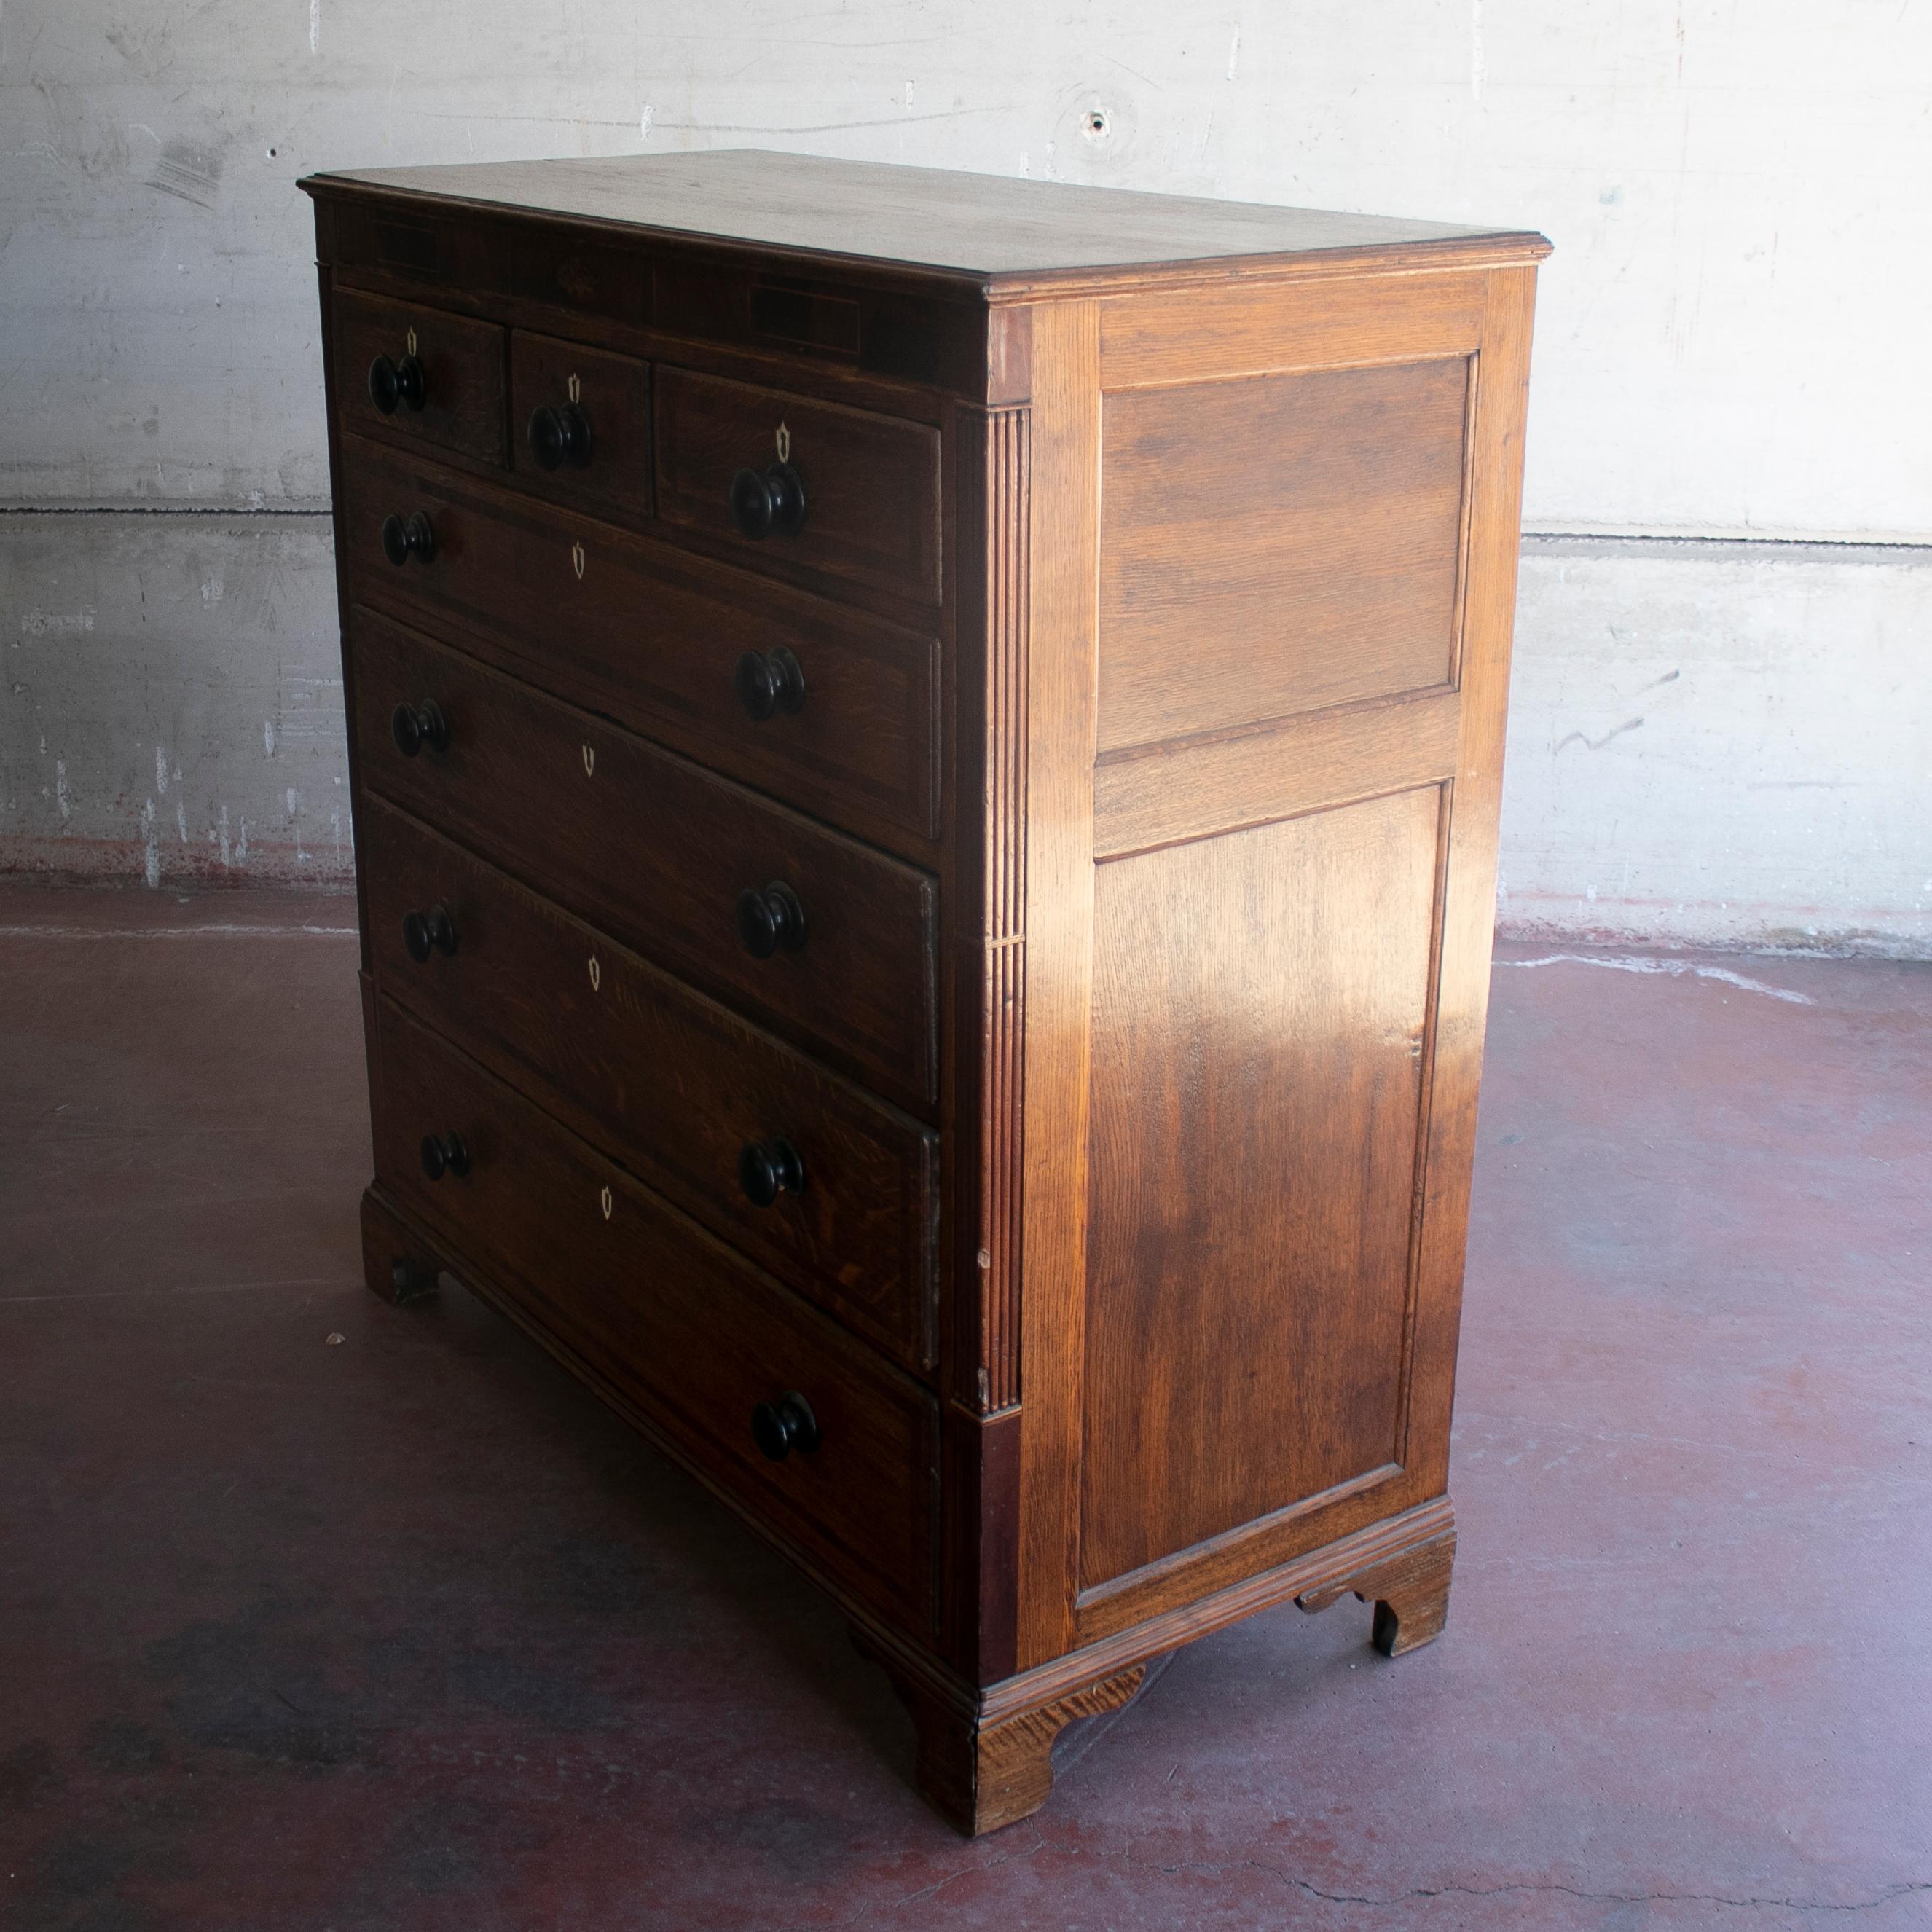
{"x": 581, "y": 424}
{"x": 800, "y": 484}
{"x": 702, "y": 1105}
{"x": 419, "y": 375}
{"x": 829, "y": 941}
{"x": 833, "y": 711}
{"x": 674, "y": 1320}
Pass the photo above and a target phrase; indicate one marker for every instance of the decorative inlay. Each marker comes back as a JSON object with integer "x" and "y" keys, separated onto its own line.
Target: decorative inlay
{"x": 1003, "y": 981}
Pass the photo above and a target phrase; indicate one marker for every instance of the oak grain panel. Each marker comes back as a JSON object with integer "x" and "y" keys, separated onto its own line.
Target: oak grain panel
{"x": 1469, "y": 900}
{"x": 1259, "y": 1008}
{"x": 1277, "y": 544}
{"x": 1059, "y": 902}
{"x": 1202, "y": 786}
{"x": 1205, "y": 334}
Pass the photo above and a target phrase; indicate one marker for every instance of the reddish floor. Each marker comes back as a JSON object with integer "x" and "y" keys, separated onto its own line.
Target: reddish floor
{"x": 406, "y": 1632}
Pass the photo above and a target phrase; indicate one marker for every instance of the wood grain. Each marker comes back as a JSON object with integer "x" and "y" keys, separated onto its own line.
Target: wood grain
{"x": 1227, "y": 780}
{"x": 1064, "y": 627}
{"x": 1259, "y": 1004}
{"x": 667, "y": 1082}
{"x": 1468, "y": 917}
{"x": 614, "y": 394}
{"x": 656, "y": 850}
{"x": 1277, "y": 544}
{"x": 1246, "y": 328}
{"x": 1011, "y": 237}
{"x": 688, "y": 1329}
{"x": 463, "y": 362}
{"x": 871, "y": 483}
{"x": 652, "y": 639}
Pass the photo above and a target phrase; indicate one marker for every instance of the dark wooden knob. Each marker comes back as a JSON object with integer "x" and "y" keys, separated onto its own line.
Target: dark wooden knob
{"x": 426, "y": 932}
{"x": 403, "y": 538}
{"x": 770, "y": 919}
{"x": 559, "y": 437}
{"x": 413, "y": 726}
{"x": 444, "y": 1154}
{"x": 769, "y": 681}
{"x": 779, "y": 1427}
{"x": 400, "y": 382}
{"x": 768, "y": 503}
{"x": 768, "y": 1167}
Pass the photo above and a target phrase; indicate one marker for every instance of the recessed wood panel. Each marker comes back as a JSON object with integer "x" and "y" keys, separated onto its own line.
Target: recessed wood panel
{"x": 1260, "y": 1008}
{"x": 1276, "y": 544}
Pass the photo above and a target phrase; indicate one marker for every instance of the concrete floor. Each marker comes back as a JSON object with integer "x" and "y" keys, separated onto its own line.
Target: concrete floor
{"x": 406, "y": 1632}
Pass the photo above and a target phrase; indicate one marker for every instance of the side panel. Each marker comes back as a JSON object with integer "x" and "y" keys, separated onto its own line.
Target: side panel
{"x": 1260, "y": 1008}
{"x": 1290, "y": 890}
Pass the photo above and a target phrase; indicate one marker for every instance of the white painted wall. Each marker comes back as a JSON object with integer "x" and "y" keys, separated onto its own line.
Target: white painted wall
{"x": 1730, "y": 339}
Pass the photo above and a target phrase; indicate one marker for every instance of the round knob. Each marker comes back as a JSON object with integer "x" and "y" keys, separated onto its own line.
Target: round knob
{"x": 413, "y": 726}
{"x": 560, "y": 436}
{"x": 770, "y": 920}
{"x": 393, "y": 382}
{"x": 769, "y": 681}
{"x": 779, "y": 1427}
{"x": 768, "y": 503}
{"x": 426, "y": 932}
{"x": 447, "y": 1155}
{"x": 404, "y": 539}
{"x": 768, "y": 1167}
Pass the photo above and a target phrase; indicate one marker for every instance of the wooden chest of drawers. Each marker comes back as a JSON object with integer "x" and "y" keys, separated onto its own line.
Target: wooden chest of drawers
{"x": 926, "y": 753}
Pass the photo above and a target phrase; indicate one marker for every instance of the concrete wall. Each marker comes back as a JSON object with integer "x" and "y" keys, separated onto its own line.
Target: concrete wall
{"x": 1730, "y": 353}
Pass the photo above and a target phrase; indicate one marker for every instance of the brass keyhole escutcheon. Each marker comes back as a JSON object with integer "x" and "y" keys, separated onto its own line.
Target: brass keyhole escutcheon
{"x": 577, "y": 560}
{"x": 412, "y": 342}
{"x": 575, "y": 388}
{"x": 604, "y": 1200}
{"x": 596, "y": 973}
{"x": 589, "y": 761}
{"x": 784, "y": 444}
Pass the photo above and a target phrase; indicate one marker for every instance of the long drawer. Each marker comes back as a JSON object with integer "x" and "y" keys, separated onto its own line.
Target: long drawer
{"x": 828, "y": 709}
{"x": 672, "y": 1317}
{"x": 683, "y": 1092}
{"x": 691, "y": 870}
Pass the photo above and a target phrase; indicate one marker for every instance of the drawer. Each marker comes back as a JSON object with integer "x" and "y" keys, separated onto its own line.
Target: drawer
{"x": 637, "y": 630}
{"x": 675, "y": 1086}
{"x": 663, "y": 855}
{"x": 446, "y": 372}
{"x": 673, "y": 1318}
{"x": 870, "y": 483}
{"x": 581, "y": 424}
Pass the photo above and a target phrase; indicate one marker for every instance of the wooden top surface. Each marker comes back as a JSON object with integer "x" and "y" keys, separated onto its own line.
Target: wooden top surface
{"x": 986, "y": 229}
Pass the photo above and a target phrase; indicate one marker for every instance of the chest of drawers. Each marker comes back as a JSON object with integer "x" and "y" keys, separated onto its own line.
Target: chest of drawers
{"x": 925, "y": 755}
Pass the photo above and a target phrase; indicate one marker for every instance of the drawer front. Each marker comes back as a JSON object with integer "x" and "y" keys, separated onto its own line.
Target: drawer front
{"x": 673, "y": 1318}
{"x": 677, "y": 1087}
{"x": 659, "y": 852}
{"x": 630, "y": 628}
{"x": 870, "y": 483}
{"x": 452, "y": 397}
{"x": 580, "y": 423}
